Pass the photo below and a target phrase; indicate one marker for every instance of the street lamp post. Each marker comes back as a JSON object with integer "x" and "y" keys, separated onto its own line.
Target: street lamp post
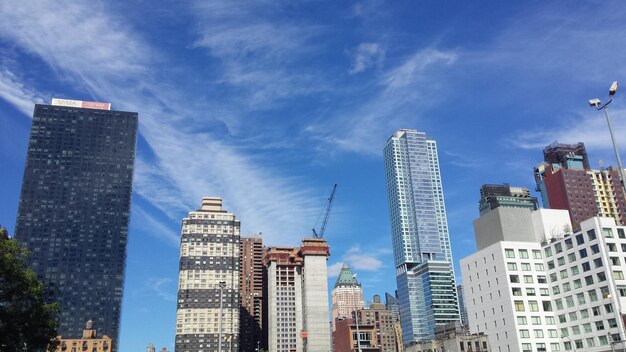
{"x": 222, "y": 285}
{"x": 356, "y": 316}
{"x": 596, "y": 103}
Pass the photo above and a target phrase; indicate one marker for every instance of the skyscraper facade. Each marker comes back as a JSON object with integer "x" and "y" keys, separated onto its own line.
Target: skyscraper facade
{"x": 208, "y": 280}
{"x": 566, "y": 181}
{"x": 462, "y": 307}
{"x": 419, "y": 228}
{"x": 74, "y": 209}
{"x": 251, "y": 292}
{"x": 346, "y": 296}
{"x": 392, "y": 304}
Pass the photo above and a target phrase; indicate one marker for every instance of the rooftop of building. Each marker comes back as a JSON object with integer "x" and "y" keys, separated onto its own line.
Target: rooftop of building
{"x": 346, "y": 277}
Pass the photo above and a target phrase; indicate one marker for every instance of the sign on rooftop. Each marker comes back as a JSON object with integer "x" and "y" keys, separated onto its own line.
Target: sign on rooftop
{"x": 81, "y": 104}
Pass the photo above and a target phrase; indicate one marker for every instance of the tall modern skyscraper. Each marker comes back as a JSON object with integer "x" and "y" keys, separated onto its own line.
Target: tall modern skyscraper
{"x": 347, "y": 295}
{"x": 566, "y": 181}
{"x": 419, "y": 229}
{"x": 74, "y": 209}
{"x": 208, "y": 280}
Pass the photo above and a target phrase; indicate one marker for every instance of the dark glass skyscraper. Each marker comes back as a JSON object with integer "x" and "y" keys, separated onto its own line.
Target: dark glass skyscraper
{"x": 74, "y": 209}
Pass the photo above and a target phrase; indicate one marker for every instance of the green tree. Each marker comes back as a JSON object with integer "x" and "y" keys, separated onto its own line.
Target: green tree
{"x": 27, "y": 323}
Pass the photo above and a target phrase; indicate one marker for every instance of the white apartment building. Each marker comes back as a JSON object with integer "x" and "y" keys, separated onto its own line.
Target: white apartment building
{"x": 535, "y": 286}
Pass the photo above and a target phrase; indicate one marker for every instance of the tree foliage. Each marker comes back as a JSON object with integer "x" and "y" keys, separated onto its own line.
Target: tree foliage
{"x": 27, "y": 323}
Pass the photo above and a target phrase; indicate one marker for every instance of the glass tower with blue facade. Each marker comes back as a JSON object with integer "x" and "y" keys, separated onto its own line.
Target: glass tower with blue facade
{"x": 74, "y": 210}
{"x": 420, "y": 238}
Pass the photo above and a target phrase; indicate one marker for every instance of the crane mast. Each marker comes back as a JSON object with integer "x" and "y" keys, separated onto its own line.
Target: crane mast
{"x": 329, "y": 206}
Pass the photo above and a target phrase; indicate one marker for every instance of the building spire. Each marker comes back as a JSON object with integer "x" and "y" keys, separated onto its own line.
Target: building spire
{"x": 346, "y": 277}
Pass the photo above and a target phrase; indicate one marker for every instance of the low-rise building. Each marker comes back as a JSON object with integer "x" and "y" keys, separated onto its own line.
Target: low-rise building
{"x": 345, "y": 336}
{"x": 89, "y": 342}
{"x": 453, "y": 338}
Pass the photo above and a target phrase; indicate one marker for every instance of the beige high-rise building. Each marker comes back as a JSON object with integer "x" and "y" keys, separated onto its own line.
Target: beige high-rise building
{"x": 347, "y": 295}
{"x": 208, "y": 280}
{"x": 297, "y": 296}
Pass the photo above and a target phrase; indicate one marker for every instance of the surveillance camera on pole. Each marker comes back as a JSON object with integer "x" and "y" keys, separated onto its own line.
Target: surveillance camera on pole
{"x": 594, "y": 102}
{"x": 597, "y": 104}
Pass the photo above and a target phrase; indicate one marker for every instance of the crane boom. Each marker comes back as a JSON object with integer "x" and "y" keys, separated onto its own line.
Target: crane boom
{"x": 327, "y": 214}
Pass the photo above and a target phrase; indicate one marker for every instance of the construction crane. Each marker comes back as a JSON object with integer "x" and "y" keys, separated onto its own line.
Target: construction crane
{"x": 326, "y": 215}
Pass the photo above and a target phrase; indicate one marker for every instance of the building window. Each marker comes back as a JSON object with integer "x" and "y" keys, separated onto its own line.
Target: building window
{"x": 525, "y": 334}
{"x": 514, "y": 279}
{"x": 521, "y": 320}
{"x": 519, "y": 306}
{"x": 523, "y": 253}
{"x": 579, "y": 239}
{"x": 509, "y": 253}
{"x": 533, "y": 306}
{"x": 591, "y": 235}
{"x": 537, "y": 253}
{"x": 618, "y": 275}
{"x": 511, "y": 266}
{"x": 548, "y": 251}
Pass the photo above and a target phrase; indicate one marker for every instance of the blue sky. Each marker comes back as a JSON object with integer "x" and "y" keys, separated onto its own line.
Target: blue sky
{"x": 269, "y": 103}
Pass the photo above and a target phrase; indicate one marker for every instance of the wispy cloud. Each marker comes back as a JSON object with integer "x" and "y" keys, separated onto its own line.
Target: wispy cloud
{"x": 589, "y": 127}
{"x": 414, "y": 70}
{"x": 155, "y": 227}
{"x": 112, "y": 62}
{"x": 159, "y": 286}
{"x": 14, "y": 92}
{"x": 402, "y": 92}
{"x": 257, "y": 48}
{"x": 367, "y": 55}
